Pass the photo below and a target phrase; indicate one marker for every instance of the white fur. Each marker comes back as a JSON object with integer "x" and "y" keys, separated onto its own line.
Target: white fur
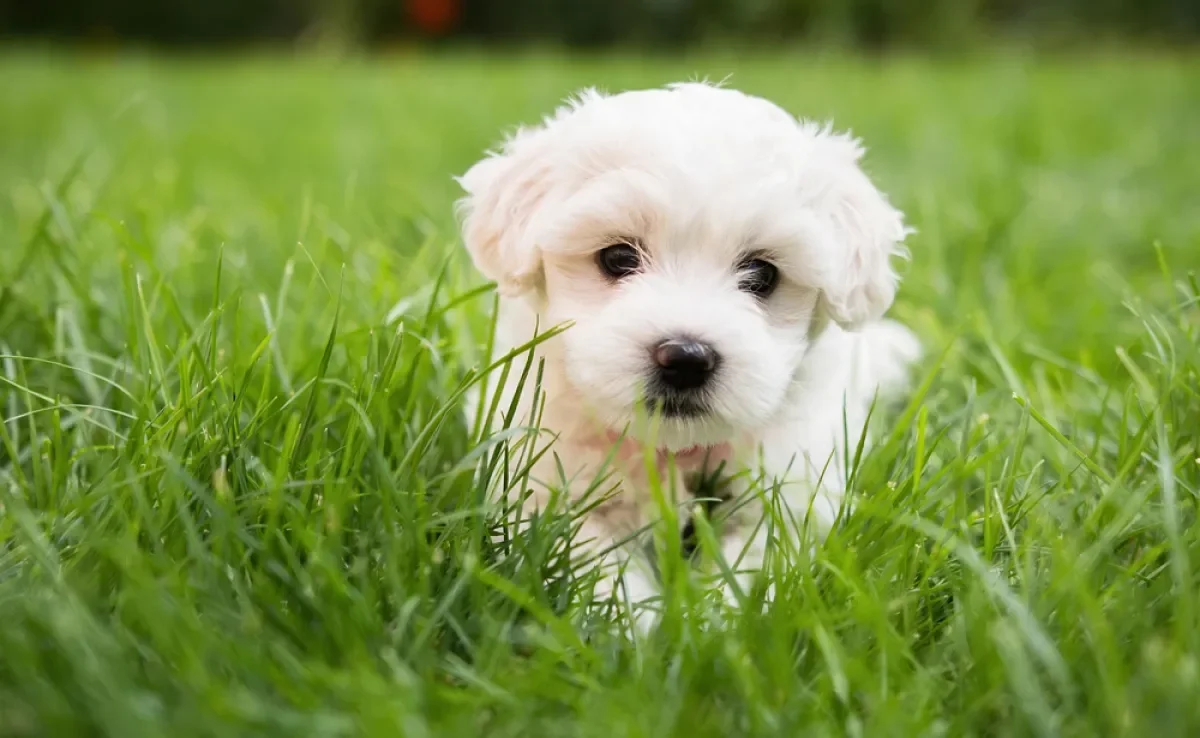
{"x": 700, "y": 176}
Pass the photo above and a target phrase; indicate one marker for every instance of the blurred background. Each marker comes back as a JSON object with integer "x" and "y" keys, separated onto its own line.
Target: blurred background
{"x": 649, "y": 24}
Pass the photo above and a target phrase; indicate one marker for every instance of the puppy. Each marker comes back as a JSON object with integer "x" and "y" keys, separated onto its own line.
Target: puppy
{"x": 723, "y": 269}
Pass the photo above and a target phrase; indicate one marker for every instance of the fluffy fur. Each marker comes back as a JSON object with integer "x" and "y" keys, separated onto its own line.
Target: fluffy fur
{"x": 699, "y": 177}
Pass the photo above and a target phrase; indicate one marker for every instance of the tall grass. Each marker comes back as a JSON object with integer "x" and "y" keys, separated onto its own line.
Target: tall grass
{"x": 239, "y": 495}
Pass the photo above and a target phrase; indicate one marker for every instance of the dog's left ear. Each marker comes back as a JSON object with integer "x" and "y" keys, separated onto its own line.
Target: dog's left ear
{"x": 867, "y": 231}
{"x": 503, "y": 193}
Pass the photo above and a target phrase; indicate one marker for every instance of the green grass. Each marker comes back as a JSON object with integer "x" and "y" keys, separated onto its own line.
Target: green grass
{"x": 237, "y": 496}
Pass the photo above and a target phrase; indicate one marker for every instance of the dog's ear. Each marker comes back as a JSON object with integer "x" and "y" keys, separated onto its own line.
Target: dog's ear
{"x": 867, "y": 233}
{"x": 503, "y": 192}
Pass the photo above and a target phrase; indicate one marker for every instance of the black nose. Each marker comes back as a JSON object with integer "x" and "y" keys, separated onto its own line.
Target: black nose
{"x": 685, "y": 364}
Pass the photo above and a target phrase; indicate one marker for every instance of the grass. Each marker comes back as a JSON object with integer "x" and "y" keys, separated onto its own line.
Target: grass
{"x": 237, "y": 496}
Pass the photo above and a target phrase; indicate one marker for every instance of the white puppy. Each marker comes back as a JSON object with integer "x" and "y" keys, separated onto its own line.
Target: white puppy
{"x": 720, "y": 263}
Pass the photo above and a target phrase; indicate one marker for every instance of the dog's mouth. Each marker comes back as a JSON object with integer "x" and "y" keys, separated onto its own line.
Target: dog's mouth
{"x": 697, "y": 457}
{"x": 700, "y": 456}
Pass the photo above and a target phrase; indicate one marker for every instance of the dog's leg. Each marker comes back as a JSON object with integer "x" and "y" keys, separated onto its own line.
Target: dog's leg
{"x": 798, "y": 516}
{"x": 607, "y": 540}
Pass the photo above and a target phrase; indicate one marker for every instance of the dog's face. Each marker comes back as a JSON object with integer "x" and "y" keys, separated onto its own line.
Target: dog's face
{"x": 696, "y": 238}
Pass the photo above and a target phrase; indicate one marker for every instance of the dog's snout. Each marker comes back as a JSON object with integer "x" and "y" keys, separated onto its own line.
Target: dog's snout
{"x": 685, "y": 364}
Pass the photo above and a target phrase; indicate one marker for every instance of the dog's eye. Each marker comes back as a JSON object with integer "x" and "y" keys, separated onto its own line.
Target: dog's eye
{"x": 619, "y": 260}
{"x": 758, "y": 277}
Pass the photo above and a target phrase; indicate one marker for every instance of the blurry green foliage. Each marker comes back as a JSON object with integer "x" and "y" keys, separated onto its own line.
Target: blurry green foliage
{"x": 653, "y": 24}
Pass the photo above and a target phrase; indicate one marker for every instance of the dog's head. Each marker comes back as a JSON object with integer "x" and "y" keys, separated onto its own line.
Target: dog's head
{"x": 696, "y": 237}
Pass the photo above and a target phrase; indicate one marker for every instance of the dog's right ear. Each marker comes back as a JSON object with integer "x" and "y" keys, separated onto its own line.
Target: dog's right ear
{"x": 503, "y": 192}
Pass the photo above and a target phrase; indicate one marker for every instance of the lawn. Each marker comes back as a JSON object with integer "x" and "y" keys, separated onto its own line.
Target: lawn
{"x": 237, "y": 496}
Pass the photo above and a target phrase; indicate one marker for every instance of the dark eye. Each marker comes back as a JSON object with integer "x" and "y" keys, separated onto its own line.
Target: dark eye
{"x": 758, "y": 277}
{"x": 619, "y": 260}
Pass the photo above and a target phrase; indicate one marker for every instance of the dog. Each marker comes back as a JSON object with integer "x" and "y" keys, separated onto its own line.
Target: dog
{"x": 723, "y": 269}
